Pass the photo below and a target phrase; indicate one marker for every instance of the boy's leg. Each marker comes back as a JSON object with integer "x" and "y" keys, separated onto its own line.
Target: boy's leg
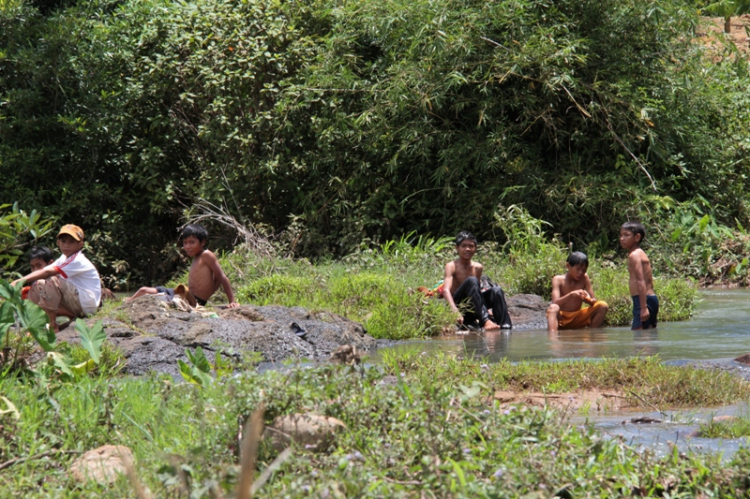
{"x": 552, "y": 323}
{"x": 470, "y": 292}
{"x": 56, "y": 296}
{"x": 494, "y": 298}
{"x": 599, "y": 312}
{"x": 143, "y": 291}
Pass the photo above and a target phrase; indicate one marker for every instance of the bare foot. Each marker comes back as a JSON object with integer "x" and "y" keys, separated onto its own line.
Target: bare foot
{"x": 490, "y": 326}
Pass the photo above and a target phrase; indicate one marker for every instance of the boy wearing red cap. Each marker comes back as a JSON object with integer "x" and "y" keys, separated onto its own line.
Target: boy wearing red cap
{"x": 70, "y": 286}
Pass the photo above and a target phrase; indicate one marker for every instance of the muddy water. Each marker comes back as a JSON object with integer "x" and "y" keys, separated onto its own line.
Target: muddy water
{"x": 720, "y": 329}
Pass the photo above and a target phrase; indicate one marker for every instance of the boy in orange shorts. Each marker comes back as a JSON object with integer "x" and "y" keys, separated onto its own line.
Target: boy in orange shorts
{"x": 569, "y": 292}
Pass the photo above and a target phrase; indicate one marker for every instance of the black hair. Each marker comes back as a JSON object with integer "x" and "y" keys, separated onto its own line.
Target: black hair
{"x": 635, "y": 228}
{"x": 578, "y": 258}
{"x": 41, "y": 252}
{"x": 197, "y": 231}
{"x": 465, "y": 235}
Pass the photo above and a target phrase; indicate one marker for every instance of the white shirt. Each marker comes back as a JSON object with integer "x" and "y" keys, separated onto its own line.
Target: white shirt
{"x": 81, "y": 273}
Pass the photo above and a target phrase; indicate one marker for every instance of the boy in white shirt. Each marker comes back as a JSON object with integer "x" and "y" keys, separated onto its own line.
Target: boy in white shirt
{"x": 70, "y": 286}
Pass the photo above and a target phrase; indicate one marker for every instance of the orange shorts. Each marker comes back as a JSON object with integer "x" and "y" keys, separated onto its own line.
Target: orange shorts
{"x": 580, "y": 318}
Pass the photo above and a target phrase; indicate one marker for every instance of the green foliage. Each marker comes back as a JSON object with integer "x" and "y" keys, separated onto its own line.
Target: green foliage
{"x": 15, "y": 227}
{"x": 381, "y": 301}
{"x": 437, "y": 430}
{"x": 199, "y": 370}
{"x": 734, "y": 427}
{"x": 338, "y": 123}
{"x": 31, "y": 318}
{"x": 92, "y": 339}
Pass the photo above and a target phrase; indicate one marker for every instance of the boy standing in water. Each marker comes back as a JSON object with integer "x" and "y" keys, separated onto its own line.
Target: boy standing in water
{"x": 205, "y": 275}
{"x": 461, "y": 285}
{"x": 569, "y": 292}
{"x": 645, "y": 302}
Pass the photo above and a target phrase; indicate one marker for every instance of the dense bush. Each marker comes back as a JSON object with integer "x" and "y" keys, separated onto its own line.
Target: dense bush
{"x": 344, "y": 122}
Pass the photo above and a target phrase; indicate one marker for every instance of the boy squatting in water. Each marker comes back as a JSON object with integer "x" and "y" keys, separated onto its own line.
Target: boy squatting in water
{"x": 569, "y": 292}
{"x": 462, "y": 286}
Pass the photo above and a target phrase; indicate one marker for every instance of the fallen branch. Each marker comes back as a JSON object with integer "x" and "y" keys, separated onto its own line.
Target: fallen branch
{"x": 8, "y": 464}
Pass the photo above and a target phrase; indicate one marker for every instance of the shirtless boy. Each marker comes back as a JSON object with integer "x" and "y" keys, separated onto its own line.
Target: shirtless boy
{"x": 645, "y": 302}
{"x": 569, "y": 292}
{"x": 461, "y": 281}
{"x": 205, "y": 274}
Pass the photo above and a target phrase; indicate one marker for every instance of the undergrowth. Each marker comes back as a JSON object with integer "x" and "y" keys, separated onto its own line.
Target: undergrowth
{"x": 414, "y": 428}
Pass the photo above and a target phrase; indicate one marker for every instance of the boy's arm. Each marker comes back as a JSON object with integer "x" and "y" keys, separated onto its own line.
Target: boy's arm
{"x": 450, "y": 268}
{"x": 559, "y": 300}
{"x": 636, "y": 267}
{"x": 36, "y": 275}
{"x": 213, "y": 263}
{"x": 590, "y": 290}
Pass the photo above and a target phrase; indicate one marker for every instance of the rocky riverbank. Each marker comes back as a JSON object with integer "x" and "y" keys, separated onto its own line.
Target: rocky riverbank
{"x": 153, "y": 336}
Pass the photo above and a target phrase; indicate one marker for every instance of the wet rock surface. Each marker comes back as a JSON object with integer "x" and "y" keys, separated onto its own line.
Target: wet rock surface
{"x": 153, "y": 337}
{"x": 527, "y": 311}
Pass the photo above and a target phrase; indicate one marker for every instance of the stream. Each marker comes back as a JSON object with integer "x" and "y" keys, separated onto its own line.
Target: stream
{"x": 718, "y": 333}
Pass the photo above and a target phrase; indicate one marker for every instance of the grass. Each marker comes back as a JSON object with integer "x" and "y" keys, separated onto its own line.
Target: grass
{"x": 736, "y": 427}
{"x": 429, "y": 433}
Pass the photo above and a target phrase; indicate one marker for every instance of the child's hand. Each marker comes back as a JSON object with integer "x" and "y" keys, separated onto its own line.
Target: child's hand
{"x": 234, "y": 304}
{"x": 645, "y": 315}
{"x": 460, "y": 320}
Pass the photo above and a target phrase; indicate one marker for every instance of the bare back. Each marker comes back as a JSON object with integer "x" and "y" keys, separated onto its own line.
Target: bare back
{"x": 201, "y": 279}
{"x": 639, "y": 267}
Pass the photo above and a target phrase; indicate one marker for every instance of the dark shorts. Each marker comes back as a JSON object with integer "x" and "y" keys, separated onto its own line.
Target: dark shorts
{"x": 169, "y": 293}
{"x": 652, "y": 303}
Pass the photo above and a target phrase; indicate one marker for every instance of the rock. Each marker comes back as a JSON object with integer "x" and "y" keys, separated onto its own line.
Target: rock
{"x": 527, "y": 311}
{"x": 744, "y": 359}
{"x": 724, "y": 419}
{"x": 153, "y": 337}
{"x": 102, "y": 465}
{"x": 313, "y": 431}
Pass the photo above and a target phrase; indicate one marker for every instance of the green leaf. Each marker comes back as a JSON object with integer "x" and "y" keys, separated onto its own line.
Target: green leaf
{"x": 83, "y": 367}
{"x": 199, "y": 360}
{"x": 92, "y": 339}
{"x": 703, "y": 223}
{"x": 187, "y": 373}
{"x": 11, "y": 409}
{"x": 58, "y": 360}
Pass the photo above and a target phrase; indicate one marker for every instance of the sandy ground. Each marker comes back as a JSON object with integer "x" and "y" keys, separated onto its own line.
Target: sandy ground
{"x": 712, "y": 33}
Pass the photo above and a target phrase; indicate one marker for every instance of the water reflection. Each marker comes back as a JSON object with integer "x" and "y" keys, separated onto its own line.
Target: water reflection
{"x": 719, "y": 330}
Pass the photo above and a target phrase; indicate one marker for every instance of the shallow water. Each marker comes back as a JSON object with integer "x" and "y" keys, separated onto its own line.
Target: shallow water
{"x": 720, "y": 330}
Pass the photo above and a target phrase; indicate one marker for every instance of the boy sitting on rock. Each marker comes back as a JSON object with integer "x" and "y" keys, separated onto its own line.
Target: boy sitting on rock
{"x": 205, "y": 275}
{"x": 462, "y": 287}
{"x": 569, "y": 292}
{"x": 70, "y": 286}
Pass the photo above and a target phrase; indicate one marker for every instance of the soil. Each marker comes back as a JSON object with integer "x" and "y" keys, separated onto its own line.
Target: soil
{"x": 712, "y": 33}
{"x": 593, "y": 400}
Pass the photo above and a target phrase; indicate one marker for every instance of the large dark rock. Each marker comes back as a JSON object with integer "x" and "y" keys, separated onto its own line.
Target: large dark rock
{"x": 527, "y": 311}
{"x": 153, "y": 336}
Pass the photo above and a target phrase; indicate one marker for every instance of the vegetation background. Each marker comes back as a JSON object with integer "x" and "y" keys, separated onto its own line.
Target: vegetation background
{"x": 330, "y": 125}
